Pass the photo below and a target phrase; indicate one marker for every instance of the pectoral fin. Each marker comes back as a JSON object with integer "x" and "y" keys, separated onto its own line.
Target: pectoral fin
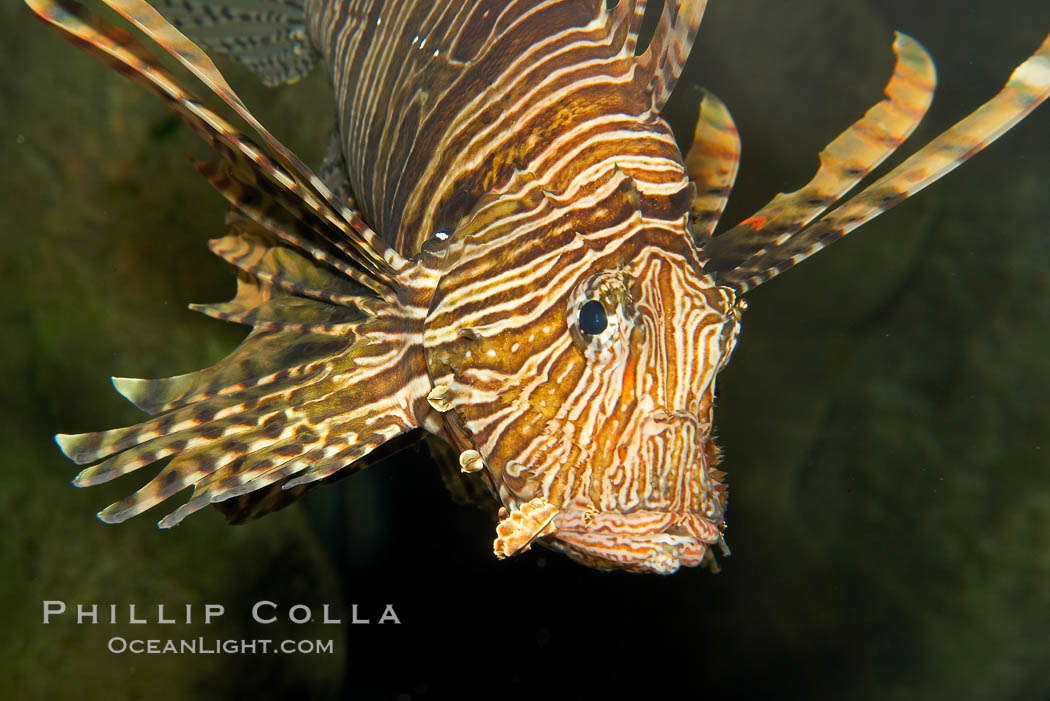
{"x": 333, "y": 368}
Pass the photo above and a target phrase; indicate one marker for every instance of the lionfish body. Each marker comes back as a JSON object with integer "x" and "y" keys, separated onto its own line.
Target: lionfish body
{"x": 537, "y": 283}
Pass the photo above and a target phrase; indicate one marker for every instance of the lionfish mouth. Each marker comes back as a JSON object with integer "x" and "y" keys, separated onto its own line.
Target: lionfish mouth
{"x": 658, "y": 518}
{"x": 639, "y": 541}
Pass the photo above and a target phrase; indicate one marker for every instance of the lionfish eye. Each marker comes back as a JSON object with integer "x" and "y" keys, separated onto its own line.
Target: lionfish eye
{"x": 592, "y": 318}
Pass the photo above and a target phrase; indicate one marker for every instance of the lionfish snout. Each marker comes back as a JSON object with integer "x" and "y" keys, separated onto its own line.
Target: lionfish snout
{"x": 660, "y": 507}
{"x": 679, "y": 443}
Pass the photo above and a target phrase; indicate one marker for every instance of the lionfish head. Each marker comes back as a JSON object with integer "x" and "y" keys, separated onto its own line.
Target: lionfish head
{"x": 573, "y": 354}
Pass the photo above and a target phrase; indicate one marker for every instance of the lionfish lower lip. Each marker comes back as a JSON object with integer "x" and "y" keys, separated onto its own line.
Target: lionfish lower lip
{"x": 660, "y": 553}
{"x": 640, "y": 541}
{"x": 640, "y": 524}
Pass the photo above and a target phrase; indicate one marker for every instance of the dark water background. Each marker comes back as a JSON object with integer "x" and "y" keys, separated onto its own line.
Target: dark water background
{"x": 885, "y": 417}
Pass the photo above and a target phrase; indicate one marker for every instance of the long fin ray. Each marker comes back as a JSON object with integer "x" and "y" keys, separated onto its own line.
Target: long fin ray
{"x": 121, "y": 50}
{"x": 243, "y": 472}
{"x": 199, "y": 469}
{"x": 208, "y": 417}
{"x": 360, "y": 433}
{"x": 665, "y": 57}
{"x": 316, "y": 429}
{"x": 264, "y": 500}
{"x": 264, "y": 358}
{"x": 267, "y": 36}
{"x": 283, "y": 271}
{"x": 156, "y": 27}
{"x": 288, "y": 262}
{"x": 285, "y": 313}
{"x": 843, "y": 163}
{"x": 225, "y": 434}
{"x": 712, "y": 161}
{"x": 315, "y": 193}
{"x": 276, "y": 213}
{"x": 626, "y": 16}
{"x": 1027, "y": 88}
{"x": 637, "y": 9}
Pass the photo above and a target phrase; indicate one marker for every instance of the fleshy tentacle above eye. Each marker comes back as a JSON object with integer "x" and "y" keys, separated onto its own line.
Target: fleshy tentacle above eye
{"x": 744, "y": 267}
{"x": 331, "y": 306}
{"x": 843, "y": 163}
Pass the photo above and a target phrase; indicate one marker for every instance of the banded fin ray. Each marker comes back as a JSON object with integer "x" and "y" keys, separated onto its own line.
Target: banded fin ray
{"x": 672, "y": 41}
{"x": 309, "y": 428}
{"x": 275, "y": 289}
{"x": 247, "y": 463}
{"x": 309, "y": 280}
{"x": 267, "y": 357}
{"x": 277, "y": 212}
{"x": 285, "y": 313}
{"x": 211, "y": 419}
{"x": 68, "y": 17}
{"x": 843, "y": 163}
{"x": 250, "y": 487}
{"x": 1027, "y": 88}
{"x": 245, "y": 162}
{"x": 712, "y": 161}
{"x": 267, "y": 36}
{"x": 253, "y": 250}
{"x": 309, "y": 187}
{"x": 261, "y": 501}
{"x": 627, "y": 14}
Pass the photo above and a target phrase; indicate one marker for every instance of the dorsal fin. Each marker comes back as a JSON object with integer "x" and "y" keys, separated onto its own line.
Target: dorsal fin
{"x": 712, "y": 161}
{"x": 153, "y": 24}
{"x": 666, "y": 54}
{"x": 1028, "y": 87}
{"x": 628, "y": 13}
{"x": 331, "y": 228}
{"x": 843, "y": 163}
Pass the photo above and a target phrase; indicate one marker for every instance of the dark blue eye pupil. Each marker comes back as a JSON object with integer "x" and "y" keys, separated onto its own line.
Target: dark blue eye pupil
{"x": 592, "y": 318}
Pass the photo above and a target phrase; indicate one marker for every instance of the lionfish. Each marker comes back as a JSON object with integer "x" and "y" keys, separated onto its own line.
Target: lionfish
{"x": 505, "y": 248}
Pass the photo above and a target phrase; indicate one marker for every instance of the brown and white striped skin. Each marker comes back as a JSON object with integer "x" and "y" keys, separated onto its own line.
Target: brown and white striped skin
{"x": 513, "y": 166}
{"x": 441, "y": 103}
{"x": 529, "y": 132}
{"x": 609, "y": 434}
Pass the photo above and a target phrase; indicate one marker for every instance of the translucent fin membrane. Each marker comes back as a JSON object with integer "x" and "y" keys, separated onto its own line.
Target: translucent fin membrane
{"x": 268, "y": 36}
